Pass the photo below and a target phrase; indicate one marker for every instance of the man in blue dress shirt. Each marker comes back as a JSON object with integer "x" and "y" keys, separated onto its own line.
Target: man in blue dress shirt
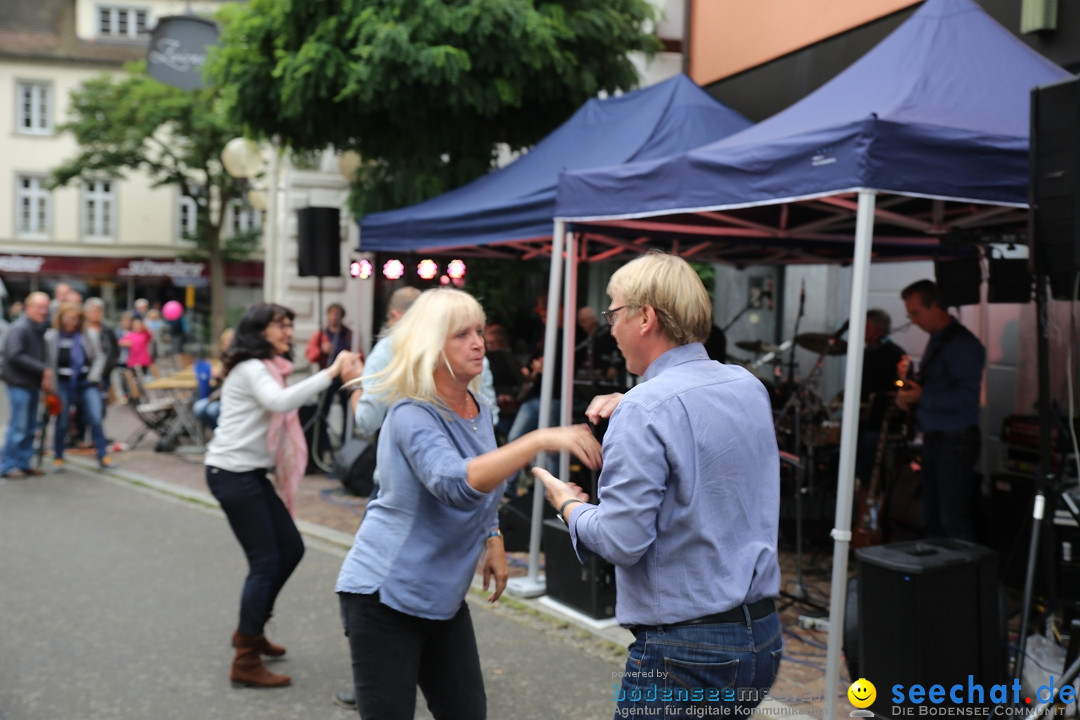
{"x": 689, "y": 500}
{"x": 945, "y": 398}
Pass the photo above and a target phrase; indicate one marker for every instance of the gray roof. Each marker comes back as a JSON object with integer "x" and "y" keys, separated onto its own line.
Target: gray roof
{"x": 45, "y": 30}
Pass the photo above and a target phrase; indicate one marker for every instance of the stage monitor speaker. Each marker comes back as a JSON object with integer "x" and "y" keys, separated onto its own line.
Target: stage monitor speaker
{"x": 1055, "y": 183}
{"x": 957, "y": 282}
{"x": 588, "y": 588}
{"x": 930, "y": 613}
{"x": 319, "y": 242}
{"x": 1009, "y": 281}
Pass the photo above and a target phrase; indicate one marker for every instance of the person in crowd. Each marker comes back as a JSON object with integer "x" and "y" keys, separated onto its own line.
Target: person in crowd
{"x": 880, "y": 360}
{"x": 141, "y": 306}
{"x": 15, "y": 311}
{"x": 944, "y": 396}
{"x": 259, "y": 431}
{"x": 402, "y": 586}
{"x": 178, "y": 332}
{"x": 26, "y": 373}
{"x": 322, "y": 348}
{"x": 208, "y": 409}
{"x": 138, "y": 341}
{"x": 155, "y": 324}
{"x": 507, "y": 375}
{"x": 60, "y": 295}
{"x": 103, "y": 339}
{"x": 595, "y": 357}
{"x": 689, "y": 501}
{"x": 78, "y": 365}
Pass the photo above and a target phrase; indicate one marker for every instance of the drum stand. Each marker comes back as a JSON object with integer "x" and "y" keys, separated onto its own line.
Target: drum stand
{"x": 796, "y": 406}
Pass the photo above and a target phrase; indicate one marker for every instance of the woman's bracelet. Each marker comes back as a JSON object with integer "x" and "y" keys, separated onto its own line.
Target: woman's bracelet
{"x": 562, "y": 510}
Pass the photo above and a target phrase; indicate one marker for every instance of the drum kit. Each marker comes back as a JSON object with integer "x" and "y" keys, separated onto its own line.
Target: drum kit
{"x": 807, "y": 433}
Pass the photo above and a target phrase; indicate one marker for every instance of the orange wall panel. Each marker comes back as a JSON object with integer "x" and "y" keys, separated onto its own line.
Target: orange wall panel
{"x": 729, "y": 36}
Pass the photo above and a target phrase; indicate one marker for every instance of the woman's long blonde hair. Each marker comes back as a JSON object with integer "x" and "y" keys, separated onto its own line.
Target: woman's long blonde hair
{"x": 417, "y": 342}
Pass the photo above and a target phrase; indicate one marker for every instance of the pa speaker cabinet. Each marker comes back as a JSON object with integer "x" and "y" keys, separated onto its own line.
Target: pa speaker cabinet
{"x": 588, "y": 588}
{"x": 1055, "y": 182}
{"x": 929, "y": 614}
{"x": 958, "y": 282}
{"x": 319, "y": 242}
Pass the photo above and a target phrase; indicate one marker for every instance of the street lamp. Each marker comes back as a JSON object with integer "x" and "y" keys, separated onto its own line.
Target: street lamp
{"x": 241, "y": 158}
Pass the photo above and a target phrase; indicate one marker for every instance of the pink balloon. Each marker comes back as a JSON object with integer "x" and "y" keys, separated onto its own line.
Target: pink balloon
{"x": 172, "y": 310}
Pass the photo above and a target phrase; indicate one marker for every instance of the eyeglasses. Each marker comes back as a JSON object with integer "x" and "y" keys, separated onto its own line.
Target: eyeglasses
{"x": 609, "y": 315}
{"x": 282, "y": 325}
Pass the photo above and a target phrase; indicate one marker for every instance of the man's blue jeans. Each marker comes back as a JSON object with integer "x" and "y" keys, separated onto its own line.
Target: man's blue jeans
{"x": 676, "y": 670}
{"x": 22, "y": 425}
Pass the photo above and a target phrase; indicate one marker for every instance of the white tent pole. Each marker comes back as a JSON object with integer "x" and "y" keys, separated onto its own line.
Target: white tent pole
{"x": 566, "y": 408}
{"x": 849, "y": 436}
{"x": 531, "y": 585}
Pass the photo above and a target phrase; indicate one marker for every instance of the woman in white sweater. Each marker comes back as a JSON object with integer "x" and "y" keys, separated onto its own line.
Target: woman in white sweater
{"x": 259, "y": 432}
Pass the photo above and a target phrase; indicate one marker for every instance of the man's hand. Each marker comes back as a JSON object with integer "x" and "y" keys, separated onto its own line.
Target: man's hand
{"x": 908, "y": 396}
{"x": 556, "y": 490}
{"x": 46, "y": 380}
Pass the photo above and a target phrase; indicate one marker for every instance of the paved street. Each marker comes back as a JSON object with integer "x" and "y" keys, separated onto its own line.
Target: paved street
{"x": 117, "y": 603}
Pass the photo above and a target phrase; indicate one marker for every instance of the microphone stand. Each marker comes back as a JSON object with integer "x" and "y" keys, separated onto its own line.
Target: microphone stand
{"x": 749, "y": 306}
{"x": 799, "y": 593}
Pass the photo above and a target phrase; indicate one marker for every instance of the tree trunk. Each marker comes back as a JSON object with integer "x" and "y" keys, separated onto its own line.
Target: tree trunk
{"x": 217, "y": 291}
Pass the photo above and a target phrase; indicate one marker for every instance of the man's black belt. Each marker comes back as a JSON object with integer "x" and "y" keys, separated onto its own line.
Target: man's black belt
{"x": 757, "y": 610}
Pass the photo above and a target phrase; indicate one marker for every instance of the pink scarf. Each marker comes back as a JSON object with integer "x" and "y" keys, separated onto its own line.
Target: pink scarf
{"x": 286, "y": 440}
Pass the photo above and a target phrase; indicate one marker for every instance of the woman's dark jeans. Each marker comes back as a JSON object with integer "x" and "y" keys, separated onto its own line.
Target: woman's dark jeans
{"x": 266, "y": 532}
{"x": 393, "y": 652}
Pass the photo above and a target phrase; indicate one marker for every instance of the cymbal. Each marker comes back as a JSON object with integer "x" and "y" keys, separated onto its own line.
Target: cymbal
{"x": 819, "y": 343}
{"x": 759, "y": 347}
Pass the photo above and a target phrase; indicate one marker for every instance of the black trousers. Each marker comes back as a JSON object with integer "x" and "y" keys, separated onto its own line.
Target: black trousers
{"x": 393, "y": 652}
{"x": 266, "y": 532}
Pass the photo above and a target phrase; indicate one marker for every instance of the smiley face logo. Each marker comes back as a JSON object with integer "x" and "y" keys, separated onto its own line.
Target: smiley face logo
{"x": 862, "y": 693}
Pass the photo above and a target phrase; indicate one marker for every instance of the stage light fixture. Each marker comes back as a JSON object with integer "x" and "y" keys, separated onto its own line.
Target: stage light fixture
{"x": 427, "y": 269}
{"x": 393, "y": 269}
{"x": 456, "y": 269}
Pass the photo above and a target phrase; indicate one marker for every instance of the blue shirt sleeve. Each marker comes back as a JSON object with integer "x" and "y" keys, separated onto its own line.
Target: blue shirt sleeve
{"x": 436, "y": 460}
{"x": 623, "y": 526}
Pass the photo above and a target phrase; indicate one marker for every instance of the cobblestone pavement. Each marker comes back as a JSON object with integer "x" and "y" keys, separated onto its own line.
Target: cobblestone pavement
{"x": 322, "y": 508}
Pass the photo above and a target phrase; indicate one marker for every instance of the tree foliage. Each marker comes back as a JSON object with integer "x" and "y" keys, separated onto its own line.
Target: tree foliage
{"x": 422, "y": 89}
{"x": 132, "y": 122}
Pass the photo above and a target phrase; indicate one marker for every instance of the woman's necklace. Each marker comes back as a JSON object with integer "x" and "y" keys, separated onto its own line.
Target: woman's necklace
{"x": 470, "y": 405}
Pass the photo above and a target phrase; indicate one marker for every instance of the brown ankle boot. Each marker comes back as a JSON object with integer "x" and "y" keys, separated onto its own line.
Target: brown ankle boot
{"x": 248, "y": 668}
{"x": 264, "y": 645}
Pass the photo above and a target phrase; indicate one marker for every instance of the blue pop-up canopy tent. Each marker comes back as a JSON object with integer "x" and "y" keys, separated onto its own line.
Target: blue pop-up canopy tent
{"x": 516, "y": 203}
{"x": 935, "y": 120}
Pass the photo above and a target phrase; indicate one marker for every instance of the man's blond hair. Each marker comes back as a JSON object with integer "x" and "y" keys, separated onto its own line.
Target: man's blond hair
{"x": 672, "y": 288}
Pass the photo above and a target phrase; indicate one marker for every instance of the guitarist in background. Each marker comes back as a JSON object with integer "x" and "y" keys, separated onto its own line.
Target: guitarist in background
{"x": 880, "y": 359}
{"x": 944, "y": 396}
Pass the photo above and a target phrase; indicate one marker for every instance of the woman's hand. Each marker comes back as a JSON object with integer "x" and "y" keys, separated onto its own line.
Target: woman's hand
{"x": 577, "y": 439}
{"x": 602, "y": 406}
{"x": 495, "y": 566}
{"x": 557, "y": 491}
{"x": 352, "y": 370}
{"x": 343, "y": 359}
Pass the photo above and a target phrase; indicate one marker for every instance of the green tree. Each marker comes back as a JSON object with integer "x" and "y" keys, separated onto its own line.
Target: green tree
{"x": 422, "y": 89}
{"x": 132, "y": 122}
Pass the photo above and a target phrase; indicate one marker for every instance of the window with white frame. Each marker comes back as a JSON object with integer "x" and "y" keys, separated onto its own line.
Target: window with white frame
{"x": 99, "y": 210}
{"x": 187, "y": 215}
{"x": 34, "y": 108}
{"x": 243, "y": 218}
{"x": 33, "y": 202}
{"x": 123, "y": 23}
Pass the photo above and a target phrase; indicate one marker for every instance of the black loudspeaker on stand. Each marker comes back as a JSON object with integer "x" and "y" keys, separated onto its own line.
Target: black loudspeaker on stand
{"x": 319, "y": 242}
{"x": 1055, "y": 184}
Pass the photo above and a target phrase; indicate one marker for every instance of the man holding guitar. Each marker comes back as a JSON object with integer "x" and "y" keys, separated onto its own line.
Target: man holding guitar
{"x": 944, "y": 397}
